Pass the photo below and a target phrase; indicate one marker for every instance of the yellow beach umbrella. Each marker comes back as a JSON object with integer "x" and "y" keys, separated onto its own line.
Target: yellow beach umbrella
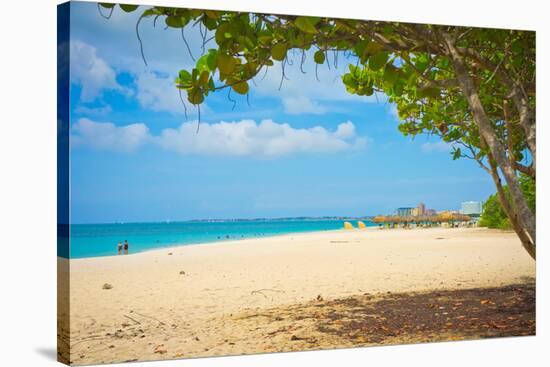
{"x": 348, "y": 225}
{"x": 360, "y": 224}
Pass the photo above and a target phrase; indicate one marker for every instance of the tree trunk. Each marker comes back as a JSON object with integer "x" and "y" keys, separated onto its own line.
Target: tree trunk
{"x": 525, "y": 217}
{"x": 527, "y": 121}
{"x": 528, "y": 245}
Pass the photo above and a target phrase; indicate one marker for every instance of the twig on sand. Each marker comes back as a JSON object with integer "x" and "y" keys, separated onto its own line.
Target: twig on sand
{"x": 261, "y": 291}
{"x": 149, "y": 317}
{"x": 134, "y": 320}
{"x": 86, "y": 339}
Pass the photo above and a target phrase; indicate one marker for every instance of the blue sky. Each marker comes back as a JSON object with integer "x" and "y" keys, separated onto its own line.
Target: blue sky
{"x": 307, "y": 149}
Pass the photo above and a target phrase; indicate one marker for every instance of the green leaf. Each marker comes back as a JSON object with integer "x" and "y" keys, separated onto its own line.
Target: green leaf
{"x": 195, "y": 96}
{"x": 360, "y": 50}
{"x": 184, "y": 77}
{"x": 210, "y": 24}
{"x": 241, "y": 87}
{"x": 278, "y": 52}
{"x": 203, "y": 79}
{"x": 202, "y": 63}
{"x": 347, "y": 79}
{"x": 307, "y": 24}
{"x": 212, "y": 14}
{"x": 220, "y": 33}
{"x": 373, "y": 48}
{"x": 369, "y": 90}
{"x": 212, "y": 60}
{"x": 456, "y": 153}
{"x": 128, "y": 8}
{"x": 421, "y": 62}
{"x": 388, "y": 30}
{"x": 175, "y": 21}
{"x": 151, "y": 11}
{"x": 391, "y": 75}
{"x": 226, "y": 63}
{"x": 430, "y": 92}
{"x": 264, "y": 37}
{"x": 319, "y": 57}
{"x": 377, "y": 61}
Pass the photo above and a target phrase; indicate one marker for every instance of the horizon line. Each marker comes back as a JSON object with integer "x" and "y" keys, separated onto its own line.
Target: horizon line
{"x": 232, "y": 219}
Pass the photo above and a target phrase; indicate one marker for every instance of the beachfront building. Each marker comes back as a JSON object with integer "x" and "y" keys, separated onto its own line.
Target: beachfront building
{"x": 409, "y": 211}
{"x": 430, "y": 212}
{"x": 405, "y": 211}
{"x": 473, "y": 209}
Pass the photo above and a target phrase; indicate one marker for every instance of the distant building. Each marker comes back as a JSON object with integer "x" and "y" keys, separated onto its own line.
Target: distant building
{"x": 430, "y": 212}
{"x": 415, "y": 212}
{"x": 472, "y": 208}
{"x": 405, "y": 211}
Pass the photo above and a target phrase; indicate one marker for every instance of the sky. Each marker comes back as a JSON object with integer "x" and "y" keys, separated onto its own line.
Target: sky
{"x": 306, "y": 149}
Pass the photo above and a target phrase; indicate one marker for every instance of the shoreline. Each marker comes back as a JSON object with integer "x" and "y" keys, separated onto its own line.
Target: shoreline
{"x": 274, "y": 236}
{"x": 185, "y": 301}
{"x": 226, "y": 241}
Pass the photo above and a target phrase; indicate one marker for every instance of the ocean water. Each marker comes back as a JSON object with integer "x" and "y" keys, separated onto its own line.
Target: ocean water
{"x": 91, "y": 240}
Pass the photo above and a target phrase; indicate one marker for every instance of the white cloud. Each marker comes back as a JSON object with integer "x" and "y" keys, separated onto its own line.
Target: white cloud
{"x": 438, "y": 146}
{"x": 346, "y": 130}
{"x": 154, "y": 91}
{"x": 108, "y": 136}
{"x": 94, "y": 111}
{"x": 91, "y": 72}
{"x": 264, "y": 139}
{"x": 242, "y": 138}
{"x": 158, "y": 93}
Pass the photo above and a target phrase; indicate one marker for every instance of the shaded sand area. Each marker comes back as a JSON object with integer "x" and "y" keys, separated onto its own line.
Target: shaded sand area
{"x": 295, "y": 292}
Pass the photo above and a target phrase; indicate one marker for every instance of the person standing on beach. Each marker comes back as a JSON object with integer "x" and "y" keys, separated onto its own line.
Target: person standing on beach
{"x": 125, "y": 247}
{"x": 119, "y": 247}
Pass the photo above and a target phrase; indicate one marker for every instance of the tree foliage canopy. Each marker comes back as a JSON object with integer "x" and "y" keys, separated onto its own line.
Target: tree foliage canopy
{"x": 473, "y": 87}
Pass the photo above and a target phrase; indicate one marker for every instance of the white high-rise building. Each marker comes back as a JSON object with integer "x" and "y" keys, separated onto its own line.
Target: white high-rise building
{"x": 471, "y": 208}
{"x": 421, "y": 209}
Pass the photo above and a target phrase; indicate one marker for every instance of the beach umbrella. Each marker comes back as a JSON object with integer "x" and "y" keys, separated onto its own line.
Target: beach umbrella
{"x": 348, "y": 225}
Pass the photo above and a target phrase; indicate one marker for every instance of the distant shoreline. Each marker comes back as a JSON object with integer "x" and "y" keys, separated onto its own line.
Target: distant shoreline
{"x": 90, "y": 241}
{"x": 222, "y": 242}
{"x": 230, "y": 220}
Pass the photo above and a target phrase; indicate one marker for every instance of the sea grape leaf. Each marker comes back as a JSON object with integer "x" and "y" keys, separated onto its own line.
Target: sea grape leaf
{"x": 278, "y": 52}
{"x": 241, "y": 87}
{"x": 307, "y": 24}
{"x": 319, "y": 57}
{"x": 128, "y": 7}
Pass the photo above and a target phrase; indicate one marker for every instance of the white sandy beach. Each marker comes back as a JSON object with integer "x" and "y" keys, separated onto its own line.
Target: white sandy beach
{"x": 179, "y": 302}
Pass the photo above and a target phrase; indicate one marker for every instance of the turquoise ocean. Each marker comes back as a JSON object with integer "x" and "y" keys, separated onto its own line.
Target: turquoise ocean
{"x": 91, "y": 240}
